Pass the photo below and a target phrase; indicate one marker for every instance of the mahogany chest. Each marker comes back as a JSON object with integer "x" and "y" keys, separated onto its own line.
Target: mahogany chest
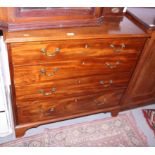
{"x": 63, "y": 73}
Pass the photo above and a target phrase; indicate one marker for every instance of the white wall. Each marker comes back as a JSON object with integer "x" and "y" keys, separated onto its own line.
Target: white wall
{"x": 5, "y": 102}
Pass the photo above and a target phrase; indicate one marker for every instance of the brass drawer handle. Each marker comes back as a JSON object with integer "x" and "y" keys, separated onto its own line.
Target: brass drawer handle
{"x": 112, "y": 65}
{"x": 101, "y": 82}
{"x": 49, "y": 110}
{"x": 50, "y": 54}
{"x": 100, "y": 103}
{"x": 41, "y": 91}
{"x": 106, "y": 84}
{"x": 44, "y": 72}
{"x": 120, "y": 49}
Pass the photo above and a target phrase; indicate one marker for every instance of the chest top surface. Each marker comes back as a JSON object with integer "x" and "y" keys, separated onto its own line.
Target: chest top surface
{"x": 126, "y": 28}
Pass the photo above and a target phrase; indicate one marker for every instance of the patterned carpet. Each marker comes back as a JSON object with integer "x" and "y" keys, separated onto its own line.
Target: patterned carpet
{"x": 113, "y": 131}
{"x": 149, "y": 115}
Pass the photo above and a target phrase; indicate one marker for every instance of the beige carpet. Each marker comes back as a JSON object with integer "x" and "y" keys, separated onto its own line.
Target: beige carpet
{"x": 114, "y": 131}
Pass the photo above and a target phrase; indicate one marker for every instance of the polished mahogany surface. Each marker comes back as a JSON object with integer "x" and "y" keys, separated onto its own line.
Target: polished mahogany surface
{"x": 109, "y": 29}
{"x": 64, "y": 73}
{"x": 28, "y": 18}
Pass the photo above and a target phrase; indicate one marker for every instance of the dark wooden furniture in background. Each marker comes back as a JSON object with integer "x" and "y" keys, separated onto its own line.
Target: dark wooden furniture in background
{"x": 63, "y": 73}
{"x": 53, "y": 17}
{"x": 141, "y": 89}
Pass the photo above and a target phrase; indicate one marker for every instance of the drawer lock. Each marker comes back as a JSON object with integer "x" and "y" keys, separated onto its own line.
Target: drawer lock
{"x": 44, "y": 72}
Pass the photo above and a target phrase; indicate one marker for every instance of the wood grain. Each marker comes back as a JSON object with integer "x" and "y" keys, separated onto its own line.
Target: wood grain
{"x": 18, "y": 18}
{"x": 141, "y": 88}
{"x": 21, "y": 128}
{"x": 70, "y": 88}
{"x": 28, "y": 74}
{"x": 49, "y": 109}
{"x": 56, "y": 76}
{"x": 30, "y": 53}
{"x": 107, "y": 30}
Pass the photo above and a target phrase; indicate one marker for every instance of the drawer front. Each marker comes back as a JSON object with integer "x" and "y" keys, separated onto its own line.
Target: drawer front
{"x": 69, "y": 88}
{"x": 46, "y": 52}
{"x": 24, "y": 75}
{"x": 57, "y": 109}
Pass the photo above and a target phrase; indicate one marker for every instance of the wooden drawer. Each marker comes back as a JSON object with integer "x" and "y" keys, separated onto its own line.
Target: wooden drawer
{"x": 69, "y": 88}
{"x": 58, "y": 109}
{"x": 46, "y": 52}
{"x": 24, "y": 75}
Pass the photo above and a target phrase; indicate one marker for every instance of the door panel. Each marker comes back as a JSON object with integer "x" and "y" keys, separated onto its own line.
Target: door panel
{"x": 141, "y": 89}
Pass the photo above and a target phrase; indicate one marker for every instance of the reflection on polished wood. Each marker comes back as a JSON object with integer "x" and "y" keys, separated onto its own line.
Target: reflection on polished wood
{"x": 63, "y": 73}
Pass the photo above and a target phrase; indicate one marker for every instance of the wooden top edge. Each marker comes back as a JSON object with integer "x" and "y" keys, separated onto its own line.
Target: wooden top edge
{"x": 126, "y": 28}
{"x": 75, "y": 38}
{"x": 143, "y": 16}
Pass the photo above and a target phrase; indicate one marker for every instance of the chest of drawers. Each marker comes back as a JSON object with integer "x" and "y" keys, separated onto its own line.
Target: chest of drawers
{"x": 65, "y": 73}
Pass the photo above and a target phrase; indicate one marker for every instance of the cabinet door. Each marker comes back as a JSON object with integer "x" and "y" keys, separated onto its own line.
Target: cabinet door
{"x": 141, "y": 89}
